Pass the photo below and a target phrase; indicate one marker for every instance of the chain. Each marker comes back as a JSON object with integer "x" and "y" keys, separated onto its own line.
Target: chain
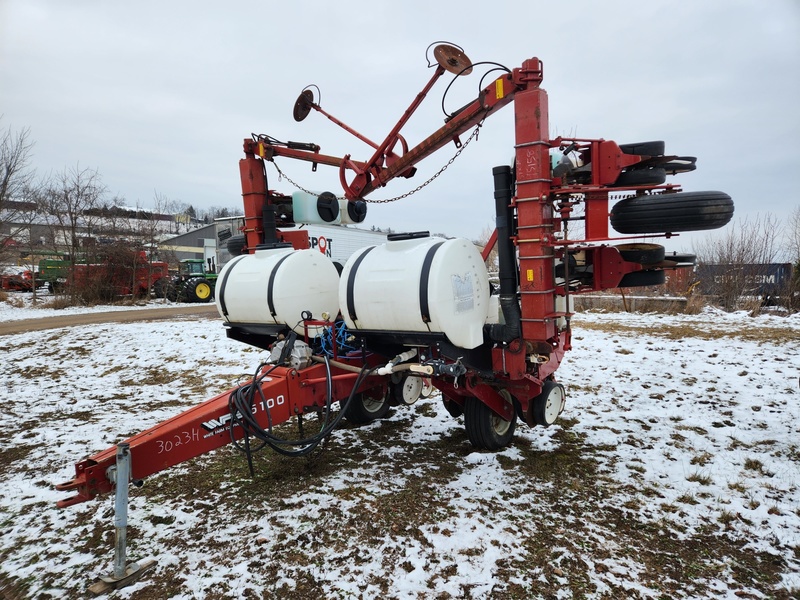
{"x": 473, "y": 136}
{"x": 282, "y": 175}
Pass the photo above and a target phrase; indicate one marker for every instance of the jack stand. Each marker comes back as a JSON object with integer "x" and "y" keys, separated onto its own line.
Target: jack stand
{"x": 124, "y": 573}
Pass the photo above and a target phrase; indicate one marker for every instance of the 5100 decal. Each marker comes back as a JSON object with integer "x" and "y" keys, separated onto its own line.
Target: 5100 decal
{"x": 215, "y": 425}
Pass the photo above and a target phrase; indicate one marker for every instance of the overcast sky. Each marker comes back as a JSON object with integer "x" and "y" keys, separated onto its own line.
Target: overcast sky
{"x": 158, "y": 96}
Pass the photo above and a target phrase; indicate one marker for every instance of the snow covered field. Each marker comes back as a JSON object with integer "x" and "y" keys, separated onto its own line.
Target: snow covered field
{"x": 674, "y": 473}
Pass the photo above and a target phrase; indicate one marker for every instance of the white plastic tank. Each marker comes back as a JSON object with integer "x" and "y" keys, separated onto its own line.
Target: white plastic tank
{"x": 276, "y": 286}
{"x": 422, "y": 285}
{"x": 320, "y": 208}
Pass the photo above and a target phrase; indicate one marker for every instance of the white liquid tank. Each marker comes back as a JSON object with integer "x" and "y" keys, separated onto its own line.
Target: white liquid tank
{"x": 422, "y": 284}
{"x": 275, "y": 286}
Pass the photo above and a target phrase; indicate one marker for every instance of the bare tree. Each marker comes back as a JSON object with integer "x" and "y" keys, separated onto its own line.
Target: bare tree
{"x": 482, "y": 241}
{"x": 793, "y": 236}
{"x": 793, "y": 248}
{"x": 28, "y": 219}
{"x": 16, "y": 177}
{"x": 151, "y": 227}
{"x": 731, "y": 265}
{"x": 71, "y": 198}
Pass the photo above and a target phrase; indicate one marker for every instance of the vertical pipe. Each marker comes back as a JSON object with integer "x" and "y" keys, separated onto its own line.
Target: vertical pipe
{"x": 506, "y": 253}
{"x": 122, "y": 477}
{"x": 507, "y": 258}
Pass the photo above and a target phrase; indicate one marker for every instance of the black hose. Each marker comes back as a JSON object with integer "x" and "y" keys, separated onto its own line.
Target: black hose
{"x": 507, "y": 258}
{"x": 240, "y": 404}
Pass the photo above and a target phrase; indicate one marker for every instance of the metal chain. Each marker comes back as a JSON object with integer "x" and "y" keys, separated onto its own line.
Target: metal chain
{"x": 473, "y": 136}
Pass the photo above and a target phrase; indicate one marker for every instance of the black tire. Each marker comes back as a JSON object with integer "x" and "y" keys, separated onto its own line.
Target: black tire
{"x": 172, "y": 291}
{"x": 668, "y": 213}
{"x": 644, "y": 148}
{"x": 367, "y": 406}
{"x": 684, "y": 259}
{"x": 452, "y": 407}
{"x": 236, "y": 245}
{"x": 547, "y": 406}
{"x": 485, "y": 430}
{"x": 682, "y": 164}
{"x": 160, "y": 287}
{"x": 198, "y": 289}
{"x": 634, "y": 177}
{"x": 642, "y": 279}
{"x": 643, "y": 254}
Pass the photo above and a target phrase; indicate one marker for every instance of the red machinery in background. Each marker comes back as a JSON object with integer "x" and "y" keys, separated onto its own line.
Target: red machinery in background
{"x": 421, "y": 309}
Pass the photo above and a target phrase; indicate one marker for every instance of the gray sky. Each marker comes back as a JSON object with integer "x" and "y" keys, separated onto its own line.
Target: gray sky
{"x": 158, "y": 96}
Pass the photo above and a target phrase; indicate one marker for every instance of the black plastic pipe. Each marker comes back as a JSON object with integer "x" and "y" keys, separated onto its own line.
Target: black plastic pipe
{"x": 507, "y": 258}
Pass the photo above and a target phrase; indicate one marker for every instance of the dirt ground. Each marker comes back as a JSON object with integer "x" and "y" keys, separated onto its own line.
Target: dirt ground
{"x": 123, "y": 316}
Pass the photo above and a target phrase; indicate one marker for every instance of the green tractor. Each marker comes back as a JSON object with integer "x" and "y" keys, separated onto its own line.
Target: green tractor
{"x": 193, "y": 283}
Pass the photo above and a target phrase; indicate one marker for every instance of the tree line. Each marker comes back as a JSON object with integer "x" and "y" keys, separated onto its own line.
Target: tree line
{"x": 72, "y": 213}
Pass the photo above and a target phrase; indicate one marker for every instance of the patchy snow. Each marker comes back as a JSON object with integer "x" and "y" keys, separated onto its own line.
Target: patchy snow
{"x": 23, "y": 307}
{"x": 689, "y": 425}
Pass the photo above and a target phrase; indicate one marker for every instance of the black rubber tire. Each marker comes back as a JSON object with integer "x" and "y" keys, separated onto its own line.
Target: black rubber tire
{"x": 236, "y": 245}
{"x": 644, "y": 148}
{"x": 172, "y": 292}
{"x": 668, "y": 213}
{"x": 366, "y": 407}
{"x": 643, "y": 254}
{"x": 634, "y": 177}
{"x": 541, "y": 409}
{"x": 198, "y": 289}
{"x": 452, "y": 407}
{"x": 485, "y": 430}
{"x": 677, "y": 257}
{"x": 642, "y": 279}
{"x": 161, "y": 287}
{"x": 682, "y": 164}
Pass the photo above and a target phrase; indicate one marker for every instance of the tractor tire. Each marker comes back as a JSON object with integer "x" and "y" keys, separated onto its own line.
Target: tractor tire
{"x": 485, "y": 429}
{"x": 366, "y": 407}
{"x": 643, "y": 148}
{"x": 236, "y": 245}
{"x": 160, "y": 287}
{"x": 644, "y": 254}
{"x": 634, "y": 177}
{"x": 198, "y": 289}
{"x": 173, "y": 291}
{"x": 669, "y": 213}
{"x": 642, "y": 279}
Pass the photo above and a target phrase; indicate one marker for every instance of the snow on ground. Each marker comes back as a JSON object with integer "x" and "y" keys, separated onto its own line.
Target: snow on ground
{"x": 675, "y": 472}
{"x": 22, "y": 307}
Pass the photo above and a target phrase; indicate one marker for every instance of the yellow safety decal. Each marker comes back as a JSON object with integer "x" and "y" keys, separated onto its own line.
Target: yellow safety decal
{"x": 498, "y": 88}
{"x": 261, "y": 150}
{"x": 529, "y": 274}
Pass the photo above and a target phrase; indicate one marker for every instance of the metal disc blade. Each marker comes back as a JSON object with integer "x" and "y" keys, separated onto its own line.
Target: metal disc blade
{"x": 452, "y": 59}
{"x": 303, "y": 105}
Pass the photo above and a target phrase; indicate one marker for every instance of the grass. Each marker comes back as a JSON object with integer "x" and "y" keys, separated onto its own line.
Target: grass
{"x": 564, "y": 518}
{"x": 568, "y": 535}
{"x": 776, "y": 335}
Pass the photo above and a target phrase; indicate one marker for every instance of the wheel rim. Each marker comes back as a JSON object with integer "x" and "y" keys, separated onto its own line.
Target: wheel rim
{"x": 410, "y": 390}
{"x": 372, "y": 405}
{"x": 499, "y": 425}
{"x": 553, "y": 404}
{"x": 203, "y": 290}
